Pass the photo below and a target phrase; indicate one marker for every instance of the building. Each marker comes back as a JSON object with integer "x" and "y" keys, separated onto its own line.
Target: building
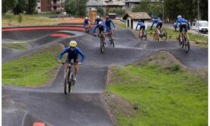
{"x": 130, "y": 4}
{"x": 105, "y": 4}
{"x": 50, "y": 6}
{"x": 133, "y": 17}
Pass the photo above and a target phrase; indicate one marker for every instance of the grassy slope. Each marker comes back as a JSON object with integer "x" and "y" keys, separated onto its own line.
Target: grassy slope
{"x": 160, "y": 95}
{"x": 33, "y": 69}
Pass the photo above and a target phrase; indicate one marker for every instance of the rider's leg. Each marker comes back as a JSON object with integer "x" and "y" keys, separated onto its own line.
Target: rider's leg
{"x": 75, "y": 70}
{"x": 65, "y": 69}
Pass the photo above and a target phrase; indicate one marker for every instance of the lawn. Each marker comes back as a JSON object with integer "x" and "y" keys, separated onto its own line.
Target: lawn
{"x": 160, "y": 95}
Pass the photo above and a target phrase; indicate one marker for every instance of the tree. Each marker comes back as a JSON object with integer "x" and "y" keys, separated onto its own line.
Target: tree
{"x": 100, "y": 11}
{"x": 31, "y": 6}
{"x": 76, "y": 7}
{"x": 149, "y": 7}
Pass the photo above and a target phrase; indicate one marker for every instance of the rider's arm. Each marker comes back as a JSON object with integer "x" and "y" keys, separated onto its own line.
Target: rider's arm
{"x": 81, "y": 53}
{"x": 107, "y": 28}
{"x": 64, "y": 51}
{"x": 153, "y": 23}
{"x": 177, "y": 21}
{"x": 94, "y": 31}
{"x": 137, "y": 25}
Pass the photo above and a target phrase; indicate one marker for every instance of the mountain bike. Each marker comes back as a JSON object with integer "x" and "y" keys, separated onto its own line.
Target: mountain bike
{"x": 162, "y": 35}
{"x": 109, "y": 36}
{"x": 142, "y": 35}
{"x": 88, "y": 28}
{"x": 68, "y": 77}
{"x": 102, "y": 42}
{"x": 184, "y": 42}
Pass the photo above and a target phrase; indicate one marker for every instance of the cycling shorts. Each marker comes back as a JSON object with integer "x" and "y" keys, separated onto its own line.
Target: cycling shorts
{"x": 159, "y": 25}
{"x": 75, "y": 60}
{"x": 142, "y": 27}
{"x": 183, "y": 26}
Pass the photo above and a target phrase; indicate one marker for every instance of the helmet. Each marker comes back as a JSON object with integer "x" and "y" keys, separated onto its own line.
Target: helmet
{"x": 98, "y": 17}
{"x": 72, "y": 43}
{"x": 179, "y": 16}
{"x": 86, "y": 17}
{"x": 107, "y": 17}
{"x": 100, "y": 23}
{"x": 139, "y": 21}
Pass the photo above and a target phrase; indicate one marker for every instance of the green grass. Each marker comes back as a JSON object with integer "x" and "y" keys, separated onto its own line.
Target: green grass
{"x": 192, "y": 37}
{"x": 19, "y": 46}
{"x": 29, "y": 20}
{"x": 31, "y": 70}
{"x": 121, "y": 24}
{"x": 161, "y": 96}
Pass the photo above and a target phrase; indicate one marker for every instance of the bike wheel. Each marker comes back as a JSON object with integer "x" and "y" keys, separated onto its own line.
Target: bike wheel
{"x": 144, "y": 36}
{"x": 102, "y": 45}
{"x": 187, "y": 46}
{"x": 71, "y": 76}
{"x": 164, "y": 35}
{"x": 111, "y": 41}
{"x": 66, "y": 82}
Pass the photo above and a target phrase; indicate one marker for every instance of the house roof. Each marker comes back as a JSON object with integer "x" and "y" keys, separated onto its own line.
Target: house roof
{"x": 137, "y": 15}
{"x": 96, "y": 3}
{"x": 105, "y": 3}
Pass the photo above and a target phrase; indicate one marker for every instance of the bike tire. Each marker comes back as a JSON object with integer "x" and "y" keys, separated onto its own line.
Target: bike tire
{"x": 112, "y": 41}
{"x": 187, "y": 46}
{"x": 102, "y": 45}
{"x": 164, "y": 35}
{"x": 66, "y": 82}
{"x": 71, "y": 76}
{"x": 144, "y": 36}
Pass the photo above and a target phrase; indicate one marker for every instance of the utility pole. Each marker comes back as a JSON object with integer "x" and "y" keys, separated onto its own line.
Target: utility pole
{"x": 163, "y": 11}
{"x": 198, "y": 15}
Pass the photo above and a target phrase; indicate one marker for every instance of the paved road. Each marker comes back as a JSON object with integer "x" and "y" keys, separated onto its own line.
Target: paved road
{"x": 83, "y": 107}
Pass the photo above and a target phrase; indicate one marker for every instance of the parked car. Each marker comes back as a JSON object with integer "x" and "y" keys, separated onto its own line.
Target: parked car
{"x": 200, "y": 25}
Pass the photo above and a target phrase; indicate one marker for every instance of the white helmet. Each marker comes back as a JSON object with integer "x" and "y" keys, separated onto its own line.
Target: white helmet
{"x": 98, "y": 17}
{"x": 86, "y": 17}
{"x": 100, "y": 23}
{"x": 179, "y": 16}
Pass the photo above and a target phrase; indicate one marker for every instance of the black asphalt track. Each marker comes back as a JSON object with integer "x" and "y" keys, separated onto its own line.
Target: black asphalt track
{"x": 24, "y": 106}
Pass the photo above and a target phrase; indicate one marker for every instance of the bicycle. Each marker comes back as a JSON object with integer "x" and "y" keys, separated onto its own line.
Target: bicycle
{"x": 68, "y": 78}
{"x": 184, "y": 42}
{"x": 102, "y": 42}
{"x": 88, "y": 28}
{"x": 162, "y": 35}
{"x": 109, "y": 35}
{"x": 142, "y": 35}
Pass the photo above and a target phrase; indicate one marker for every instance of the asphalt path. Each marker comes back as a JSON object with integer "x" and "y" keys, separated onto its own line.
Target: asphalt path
{"x": 83, "y": 107}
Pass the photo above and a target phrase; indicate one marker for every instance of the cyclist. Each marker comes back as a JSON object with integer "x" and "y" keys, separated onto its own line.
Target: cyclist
{"x": 142, "y": 26}
{"x": 183, "y": 23}
{"x": 97, "y": 20}
{"x": 158, "y": 26}
{"x": 108, "y": 22}
{"x": 101, "y": 27}
{"x": 72, "y": 50}
{"x": 87, "y": 22}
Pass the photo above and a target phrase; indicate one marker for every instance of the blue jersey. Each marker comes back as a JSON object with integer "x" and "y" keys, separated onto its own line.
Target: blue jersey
{"x": 109, "y": 22}
{"x": 156, "y": 21}
{"x": 182, "y": 21}
{"x": 139, "y": 23}
{"x": 101, "y": 28}
{"x": 97, "y": 21}
{"x": 72, "y": 54}
{"x": 86, "y": 21}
